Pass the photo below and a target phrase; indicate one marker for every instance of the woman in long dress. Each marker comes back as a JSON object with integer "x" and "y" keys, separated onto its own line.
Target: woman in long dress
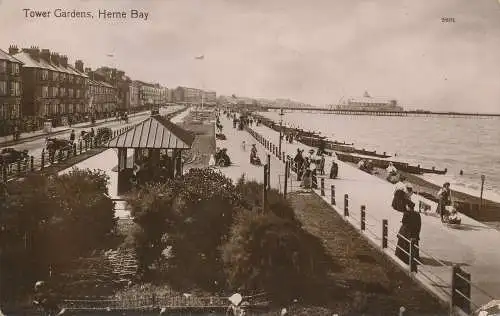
{"x": 444, "y": 197}
{"x": 410, "y": 229}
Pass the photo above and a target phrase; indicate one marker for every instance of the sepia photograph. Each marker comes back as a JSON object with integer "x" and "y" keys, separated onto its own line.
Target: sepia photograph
{"x": 249, "y": 157}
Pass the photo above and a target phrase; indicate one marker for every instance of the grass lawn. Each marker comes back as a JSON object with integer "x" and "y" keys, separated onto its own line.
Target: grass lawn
{"x": 365, "y": 281}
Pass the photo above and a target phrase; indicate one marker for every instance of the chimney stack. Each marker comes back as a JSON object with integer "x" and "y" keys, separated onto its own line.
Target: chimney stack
{"x": 34, "y": 52}
{"x": 64, "y": 61}
{"x": 79, "y": 65}
{"x": 45, "y": 54}
{"x": 13, "y": 50}
{"x": 54, "y": 58}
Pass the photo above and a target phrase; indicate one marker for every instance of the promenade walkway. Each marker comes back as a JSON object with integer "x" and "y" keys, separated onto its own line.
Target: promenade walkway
{"x": 240, "y": 158}
{"x": 473, "y": 246}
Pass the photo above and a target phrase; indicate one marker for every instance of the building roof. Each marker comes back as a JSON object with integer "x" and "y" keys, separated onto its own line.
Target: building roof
{"x": 5, "y": 56}
{"x": 28, "y": 62}
{"x": 155, "y": 132}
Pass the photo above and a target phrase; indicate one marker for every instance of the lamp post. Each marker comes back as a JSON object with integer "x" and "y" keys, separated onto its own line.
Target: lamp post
{"x": 281, "y": 130}
{"x": 482, "y": 185}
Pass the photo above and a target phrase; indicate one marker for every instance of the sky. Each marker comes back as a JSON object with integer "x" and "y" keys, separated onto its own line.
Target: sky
{"x": 314, "y": 51}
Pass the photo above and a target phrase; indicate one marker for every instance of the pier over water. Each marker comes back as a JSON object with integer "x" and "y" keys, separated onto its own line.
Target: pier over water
{"x": 381, "y": 113}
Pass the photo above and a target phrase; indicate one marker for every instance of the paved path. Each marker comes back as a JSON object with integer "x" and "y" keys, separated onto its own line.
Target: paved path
{"x": 240, "y": 157}
{"x": 474, "y": 245}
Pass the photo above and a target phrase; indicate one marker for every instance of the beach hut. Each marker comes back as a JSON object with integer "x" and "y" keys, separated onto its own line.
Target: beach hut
{"x": 157, "y": 144}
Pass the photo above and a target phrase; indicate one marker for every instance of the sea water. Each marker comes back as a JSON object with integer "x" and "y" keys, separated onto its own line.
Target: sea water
{"x": 468, "y": 144}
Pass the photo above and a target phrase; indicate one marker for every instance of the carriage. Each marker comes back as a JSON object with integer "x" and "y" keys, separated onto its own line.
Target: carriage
{"x": 10, "y": 155}
{"x": 62, "y": 146}
{"x": 221, "y": 158}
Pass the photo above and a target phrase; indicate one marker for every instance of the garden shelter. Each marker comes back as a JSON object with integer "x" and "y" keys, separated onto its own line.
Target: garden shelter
{"x": 157, "y": 144}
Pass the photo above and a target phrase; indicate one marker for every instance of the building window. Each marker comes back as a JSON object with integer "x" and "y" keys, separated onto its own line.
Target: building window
{"x": 62, "y": 92}
{"x": 45, "y": 74}
{"x": 70, "y": 108}
{"x": 15, "y": 88}
{"x": 54, "y": 91}
{"x": 55, "y": 75}
{"x": 45, "y": 92}
{"x": 70, "y": 92}
{"x": 15, "y": 68}
{"x": 77, "y": 93}
{"x": 3, "y": 87}
{"x": 3, "y": 66}
{"x": 63, "y": 77}
{"x": 14, "y": 113}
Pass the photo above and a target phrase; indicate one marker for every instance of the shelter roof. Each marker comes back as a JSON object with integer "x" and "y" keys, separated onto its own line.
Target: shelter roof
{"x": 155, "y": 132}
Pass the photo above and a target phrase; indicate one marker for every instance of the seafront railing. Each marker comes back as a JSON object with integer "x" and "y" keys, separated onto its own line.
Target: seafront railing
{"x": 450, "y": 283}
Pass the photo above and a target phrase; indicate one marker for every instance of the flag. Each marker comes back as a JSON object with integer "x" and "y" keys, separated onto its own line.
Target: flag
{"x": 200, "y": 57}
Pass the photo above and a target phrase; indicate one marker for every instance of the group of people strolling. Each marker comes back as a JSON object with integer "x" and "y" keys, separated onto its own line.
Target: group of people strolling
{"x": 307, "y": 168}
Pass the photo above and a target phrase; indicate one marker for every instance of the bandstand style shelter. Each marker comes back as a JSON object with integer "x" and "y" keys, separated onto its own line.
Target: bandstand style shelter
{"x": 157, "y": 143}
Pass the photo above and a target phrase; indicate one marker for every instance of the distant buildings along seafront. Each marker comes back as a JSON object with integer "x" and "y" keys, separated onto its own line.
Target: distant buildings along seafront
{"x": 37, "y": 85}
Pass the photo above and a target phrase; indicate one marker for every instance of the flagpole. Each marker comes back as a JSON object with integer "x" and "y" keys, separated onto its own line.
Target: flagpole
{"x": 202, "y": 57}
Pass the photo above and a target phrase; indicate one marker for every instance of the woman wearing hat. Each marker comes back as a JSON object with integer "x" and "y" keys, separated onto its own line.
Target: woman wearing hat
{"x": 411, "y": 224}
{"x": 444, "y": 197}
{"x": 254, "y": 159}
{"x": 299, "y": 161}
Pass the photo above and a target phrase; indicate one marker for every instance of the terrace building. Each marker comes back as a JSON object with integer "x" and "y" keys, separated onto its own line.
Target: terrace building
{"x": 133, "y": 96}
{"x": 194, "y": 96}
{"x": 150, "y": 94}
{"x": 10, "y": 92}
{"x": 52, "y": 88}
{"x": 102, "y": 95}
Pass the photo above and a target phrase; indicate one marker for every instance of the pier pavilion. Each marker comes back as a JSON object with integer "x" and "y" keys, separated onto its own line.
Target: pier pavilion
{"x": 157, "y": 145}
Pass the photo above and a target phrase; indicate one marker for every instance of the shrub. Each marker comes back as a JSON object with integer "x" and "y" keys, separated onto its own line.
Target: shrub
{"x": 272, "y": 254}
{"x": 251, "y": 192}
{"x": 204, "y": 208}
{"x": 85, "y": 214}
{"x": 193, "y": 215}
{"x": 51, "y": 220}
{"x": 152, "y": 212}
